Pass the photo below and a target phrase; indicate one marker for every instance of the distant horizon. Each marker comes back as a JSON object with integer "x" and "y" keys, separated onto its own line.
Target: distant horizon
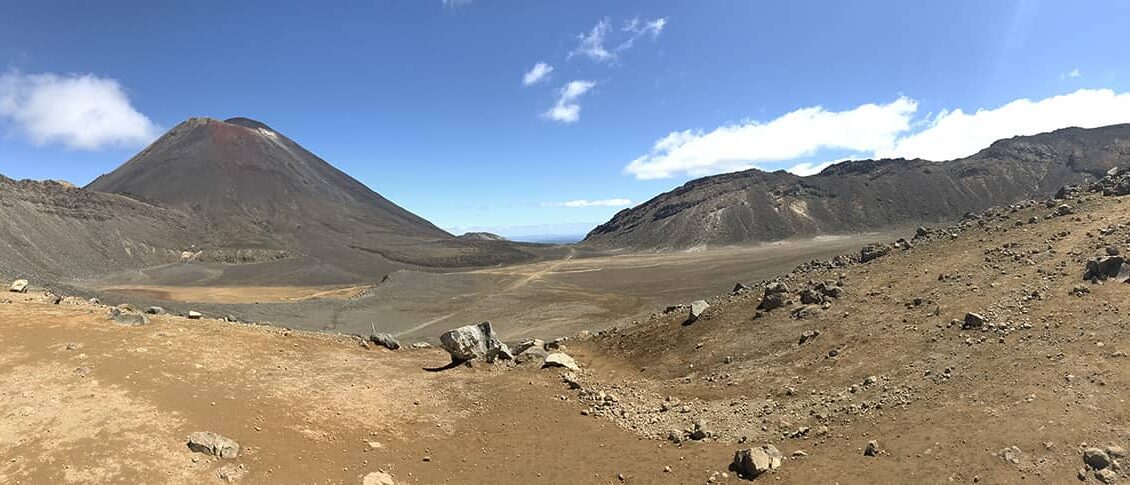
{"x": 495, "y": 115}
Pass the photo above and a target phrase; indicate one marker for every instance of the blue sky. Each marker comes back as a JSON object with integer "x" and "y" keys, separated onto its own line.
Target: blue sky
{"x": 426, "y": 101}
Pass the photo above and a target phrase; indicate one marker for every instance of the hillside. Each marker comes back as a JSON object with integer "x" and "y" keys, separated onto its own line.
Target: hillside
{"x": 48, "y": 229}
{"x": 974, "y": 352}
{"x": 260, "y": 196}
{"x": 857, "y": 196}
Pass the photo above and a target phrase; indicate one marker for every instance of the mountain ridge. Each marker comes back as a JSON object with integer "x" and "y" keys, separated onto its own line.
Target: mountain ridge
{"x": 757, "y": 206}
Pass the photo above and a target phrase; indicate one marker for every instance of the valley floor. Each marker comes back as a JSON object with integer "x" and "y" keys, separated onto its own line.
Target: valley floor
{"x": 1014, "y": 399}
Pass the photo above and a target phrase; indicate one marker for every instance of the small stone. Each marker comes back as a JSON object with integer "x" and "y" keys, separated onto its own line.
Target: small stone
{"x": 1106, "y": 475}
{"x": 155, "y": 310}
{"x": 18, "y": 286}
{"x": 194, "y": 315}
{"x": 872, "y": 448}
{"x": 973, "y": 321}
{"x": 213, "y": 444}
{"x": 378, "y": 478}
{"x": 385, "y": 340}
{"x": 697, "y": 309}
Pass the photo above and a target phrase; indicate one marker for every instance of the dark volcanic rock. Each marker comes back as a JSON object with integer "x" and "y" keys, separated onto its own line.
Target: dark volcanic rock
{"x": 857, "y": 196}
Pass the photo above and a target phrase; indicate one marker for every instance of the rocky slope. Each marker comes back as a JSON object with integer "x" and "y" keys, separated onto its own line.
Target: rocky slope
{"x": 982, "y": 351}
{"x": 48, "y": 229}
{"x": 857, "y": 196}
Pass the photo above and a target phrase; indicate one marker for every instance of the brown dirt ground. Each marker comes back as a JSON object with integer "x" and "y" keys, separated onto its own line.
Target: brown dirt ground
{"x": 116, "y": 406}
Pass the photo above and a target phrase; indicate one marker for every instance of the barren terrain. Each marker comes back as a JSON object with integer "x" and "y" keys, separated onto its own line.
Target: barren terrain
{"x": 1015, "y": 398}
{"x": 576, "y": 291}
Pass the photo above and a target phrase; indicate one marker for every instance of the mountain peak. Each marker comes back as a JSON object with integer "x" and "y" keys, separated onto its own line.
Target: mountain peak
{"x": 248, "y": 123}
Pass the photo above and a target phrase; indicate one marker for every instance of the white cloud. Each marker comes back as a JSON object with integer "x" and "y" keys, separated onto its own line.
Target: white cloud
{"x": 455, "y": 3}
{"x": 808, "y": 168}
{"x": 536, "y": 74}
{"x": 872, "y": 131}
{"x": 867, "y": 128}
{"x": 592, "y": 43}
{"x": 637, "y": 28}
{"x": 955, "y": 133}
{"x": 84, "y": 112}
{"x": 566, "y": 109}
{"x": 1073, "y": 74}
{"x": 590, "y": 203}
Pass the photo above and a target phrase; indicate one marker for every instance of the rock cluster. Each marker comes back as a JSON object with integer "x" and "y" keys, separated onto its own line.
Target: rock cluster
{"x": 1115, "y": 183}
{"x": 1103, "y": 462}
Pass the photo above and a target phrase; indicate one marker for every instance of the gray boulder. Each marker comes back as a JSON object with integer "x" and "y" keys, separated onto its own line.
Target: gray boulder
{"x": 155, "y": 310}
{"x": 561, "y": 359}
{"x": 128, "y": 318}
{"x": 386, "y": 340}
{"x": 213, "y": 444}
{"x": 532, "y": 355}
{"x": 18, "y": 286}
{"x": 752, "y": 462}
{"x": 1103, "y": 267}
{"x": 697, "y": 308}
{"x": 194, "y": 315}
{"x": 773, "y": 300}
{"x": 474, "y": 342}
{"x": 973, "y": 321}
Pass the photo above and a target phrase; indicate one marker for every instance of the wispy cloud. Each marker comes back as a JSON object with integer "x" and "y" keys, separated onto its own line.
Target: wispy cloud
{"x": 566, "y": 109}
{"x": 591, "y": 44}
{"x": 536, "y": 74}
{"x": 590, "y": 203}
{"x": 871, "y": 130}
{"x": 1072, "y": 74}
{"x": 455, "y": 3}
{"x": 83, "y": 112}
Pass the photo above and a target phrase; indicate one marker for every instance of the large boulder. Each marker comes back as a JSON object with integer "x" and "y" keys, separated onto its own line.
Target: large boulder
{"x": 213, "y": 444}
{"x": 474, "y": 342}
{"x": 18, "y": 286}
{"x": 752, "y": 462}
